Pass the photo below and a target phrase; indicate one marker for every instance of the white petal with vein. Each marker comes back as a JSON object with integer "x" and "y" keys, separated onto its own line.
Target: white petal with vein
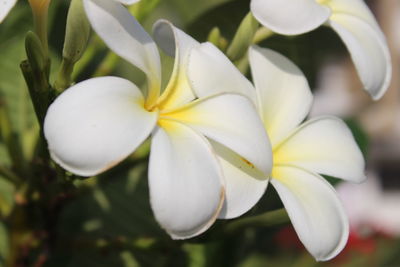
{"x": 314, "y": 210}
{"x": 97, "y": 123}
{"x": 283, "y": 92}
{"x": 290, "y": 16}
{"x": 185, "y": 180}
{"x": 232, "y": 120}
{"x": 324, "y": 145}
{"x": 244, "y": 184}
{"x": 369, "y": 51}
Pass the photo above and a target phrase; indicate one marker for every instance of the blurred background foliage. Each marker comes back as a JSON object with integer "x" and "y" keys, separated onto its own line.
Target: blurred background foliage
{"x": 107, "y": 220}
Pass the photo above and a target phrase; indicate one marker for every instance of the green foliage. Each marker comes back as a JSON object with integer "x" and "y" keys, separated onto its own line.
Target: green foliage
{"x": 4, "y": 249}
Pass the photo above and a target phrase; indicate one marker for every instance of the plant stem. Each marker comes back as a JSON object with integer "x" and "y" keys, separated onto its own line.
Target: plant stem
{"x": 262, "y": 34}
{"x": 9, "y": 175}
{"x": 267, "y": 219}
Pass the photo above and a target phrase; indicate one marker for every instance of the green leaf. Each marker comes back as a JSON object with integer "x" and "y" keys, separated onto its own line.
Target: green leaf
{"x": 4, "y": 246}
{"x": 228, "y": 24}
{"x": 7, "y": 191}
{"x": 142, "y": 9}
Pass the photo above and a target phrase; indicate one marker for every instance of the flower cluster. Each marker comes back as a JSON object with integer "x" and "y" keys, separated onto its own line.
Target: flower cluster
{"x": 217, "y": 139}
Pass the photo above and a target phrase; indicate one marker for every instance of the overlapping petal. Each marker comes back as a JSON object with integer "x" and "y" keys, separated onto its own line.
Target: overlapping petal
{"x": 97, "y": 123}
{"x": 284, "y": 97}
{"x": 314, "y": 209}
{"x": 5, "y": 7}
{"x": 127, "y": 38}
{"x": 324, "y": 145}
{"x": 244, "y": 185}
{"x": 177, "y": 44}
{"x": 210, "y": 72}
{"x": 290, "y": 16}
{"x": 232, "y": 120}
{"x": 368, "y": 49}
{"x": 185, "y": 180}
{"x": 355, "y": 8}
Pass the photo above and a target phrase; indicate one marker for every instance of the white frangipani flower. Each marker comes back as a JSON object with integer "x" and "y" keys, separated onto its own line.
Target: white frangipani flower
{"x": 97, "y": 123}
{"x": 302, "y": 151}
{"x": 350, "y": 19}
{"x": 323, "y": 145}
{"x": 5, "y": 8}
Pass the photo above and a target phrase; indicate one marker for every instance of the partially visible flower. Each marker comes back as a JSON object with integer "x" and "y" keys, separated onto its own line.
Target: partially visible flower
{"x": 301, "y": 151}
{"x": 97, "y": 123}
{"x": 5, "y": 8}
{"x": 350, "y": 19}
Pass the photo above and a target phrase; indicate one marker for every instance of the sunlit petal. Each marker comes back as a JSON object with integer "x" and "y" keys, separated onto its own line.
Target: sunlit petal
{"x": 5, "y": 7}
{"x": 324, "y": 145}
{"x": 126, "y": 37}
{"x": 176, "y": 44}
{"x": 97, "y": 123}
{"x": 290, "y": 16}
{"x": 283, "y": 92}
{"x": 244, "y": 185}
{"x": 369, "y": 51}
{"x": 210, "y": 72}
{"x": 185, "y": 180}
{"x": 314, "y": 209}
{"x": 231, "y": 120}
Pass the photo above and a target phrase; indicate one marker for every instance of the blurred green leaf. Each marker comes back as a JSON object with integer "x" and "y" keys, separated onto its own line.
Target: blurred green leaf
{"x": 7, "y": 191}
{"x": 14, "y": 94}
{"x": 4, "y": 247}
{"x": 226, "y": 16}
{"x": 142, "y": 9}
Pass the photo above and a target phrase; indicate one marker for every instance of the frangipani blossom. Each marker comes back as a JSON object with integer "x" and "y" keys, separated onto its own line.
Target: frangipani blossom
{"x": 5, "y": 8}
{"x": 97, "y": 123}
{"x": 301, "y": 151}
{"x": 350, "y": 19}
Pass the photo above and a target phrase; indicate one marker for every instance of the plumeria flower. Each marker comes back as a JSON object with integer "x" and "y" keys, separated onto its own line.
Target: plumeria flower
{"x": 350, "y": 19}
{"x": 5, "y": 8}
{"x": 301, "y": 151}
{"x": 97, "y": 123}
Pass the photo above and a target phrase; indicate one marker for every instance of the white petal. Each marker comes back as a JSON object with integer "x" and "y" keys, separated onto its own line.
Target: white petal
{"x": 127, "y": 2}
{"x": 314, "y": 209}
{"x": 210, "y": 72}
{"x": 323, "y": 145}
{"x": 5, "y": 7}
{"x": 97, "y": 123}
{"x": 369, "y": 51}
{"x": 232, "y": 121}
{"x": 290, "y": 16}
{"x": 176, "y": 44}
{"x": 283, "y": 92}
{"x": 185, "y": 180}
{"x": 244, "y": 185}
{"x": 126, "y": 37}
{"x": 355, "y": 8}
